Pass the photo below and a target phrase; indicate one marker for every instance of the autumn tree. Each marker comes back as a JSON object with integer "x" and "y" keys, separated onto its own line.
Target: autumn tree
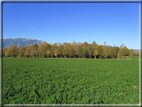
{"x": 134, "y": 53}
{"x": 94, "y": 46}
{"x": 79, "y": 51}
{"x": 105, "y": 50}
{"x": 112, "y": 52}
{"x": 21, "y": 51}
{"x": 48, "y": 53}
{"x": 16, "y": 52}
{"x": 10, "y": 51}
{"x": 52, "y": 51}
{"x": 85, "y": 45}
{"x": 3, "y": 52}
{"x": 126, "y": 51}
{"x": 118, "y": 56}
{"x": 74, "y": 48}
{"x": 26, "y": 51}
{"x": 60, "y": 50}
{"x": 122, "y": 50}
{"x": 34, "y": 50}
{"x": 69, "y": 50}
{"x": 64, "y": 51}
{"x": 95, "y": 53}
{"x": 100, "y": 51}
{"x": 84, "y": 51}
{"x": 90, "y": 50}
{"x": 42, "y": 48}
{"x": 55, "y": 53}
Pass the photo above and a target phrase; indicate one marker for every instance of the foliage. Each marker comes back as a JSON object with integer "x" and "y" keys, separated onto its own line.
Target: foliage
{"x": 69, "y": 50}
{"x": 55, "y": 53}
{"x": 70, "y": 81}
{"x": 84, "y": 51}
{"x": 95, "y": 53}
{"x": 10, "y": 51}
{"x": 126, "y": 51}
{"x": 48, "y": 53}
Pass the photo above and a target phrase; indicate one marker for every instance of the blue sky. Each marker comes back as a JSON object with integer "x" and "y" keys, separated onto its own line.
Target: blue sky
{"x": 114, "y": 23}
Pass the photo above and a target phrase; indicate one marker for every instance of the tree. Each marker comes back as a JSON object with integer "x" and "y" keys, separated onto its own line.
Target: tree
{"x": 94, "y": 46}
{"x": 52, "y": 51}
{"x": 34, "y": 50}
{"x": 126, "y": 51}
{"x": 55, "y": 53}
{"x": 79, "y": 51}
{"x": 15, "y": 50}
{"x": 64, "y": 51}
{"x": 85, "y": 44}
{"x": 134, "y": 53}
{"x": 74, "y": 48}
{"x": 105, "y": 50}
{"x": 53, "y": 48}
{"x": 21, "y": 51}
{"x": 112, "y": 52}
{"x": 3, "y": 53}
{"x": 100, "y": 51}
{"x": 84, "y": 51}
{"x": 122, "y": 49}
{"x": 95, "y": 53}
{"x": 90, "y": 50}
{"x": 69, "y": 50}
{"x": 118, "y": 56}
{"x": 10, "y": 51}
{"x": 60, "y": 50}
{"x": 48, "y": 53}
{"x": 26, "y": 51}
{"x": 42, "y": 48}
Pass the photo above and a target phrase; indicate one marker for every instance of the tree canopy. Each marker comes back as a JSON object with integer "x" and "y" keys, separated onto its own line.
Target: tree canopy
{"x": 69, "y": 50}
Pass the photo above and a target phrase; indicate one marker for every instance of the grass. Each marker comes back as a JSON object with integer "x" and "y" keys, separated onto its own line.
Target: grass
{"x": 70, "y": 81}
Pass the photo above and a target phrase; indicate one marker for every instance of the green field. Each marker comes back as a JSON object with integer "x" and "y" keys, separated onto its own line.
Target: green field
{"x": 70, "y": 81}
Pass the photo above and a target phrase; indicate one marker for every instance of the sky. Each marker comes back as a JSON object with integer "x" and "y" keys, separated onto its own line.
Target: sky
{"x": 113, "y": 23}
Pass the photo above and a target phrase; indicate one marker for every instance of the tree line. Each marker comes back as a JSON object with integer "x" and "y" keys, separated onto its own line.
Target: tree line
{"x": 69, "y": 50}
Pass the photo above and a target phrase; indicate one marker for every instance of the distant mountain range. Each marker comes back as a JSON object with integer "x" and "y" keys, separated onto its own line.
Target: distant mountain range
{"x": 25, "y": 41}
{"x": 28, "y": 41}
{"x": 20, "y": 42}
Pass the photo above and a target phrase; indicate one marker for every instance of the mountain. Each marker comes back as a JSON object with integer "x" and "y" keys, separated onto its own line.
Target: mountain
{"x": 20, "y": 42}
{"x": 26, "y": 41}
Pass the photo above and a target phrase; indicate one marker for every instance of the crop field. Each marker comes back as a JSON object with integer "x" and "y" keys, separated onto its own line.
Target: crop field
{"x": 70, "y": 81}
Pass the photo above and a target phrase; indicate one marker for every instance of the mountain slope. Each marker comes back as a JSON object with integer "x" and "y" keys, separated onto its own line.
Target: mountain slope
{"x": 20, "y": 42}
{"x": 26, "y": 41}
